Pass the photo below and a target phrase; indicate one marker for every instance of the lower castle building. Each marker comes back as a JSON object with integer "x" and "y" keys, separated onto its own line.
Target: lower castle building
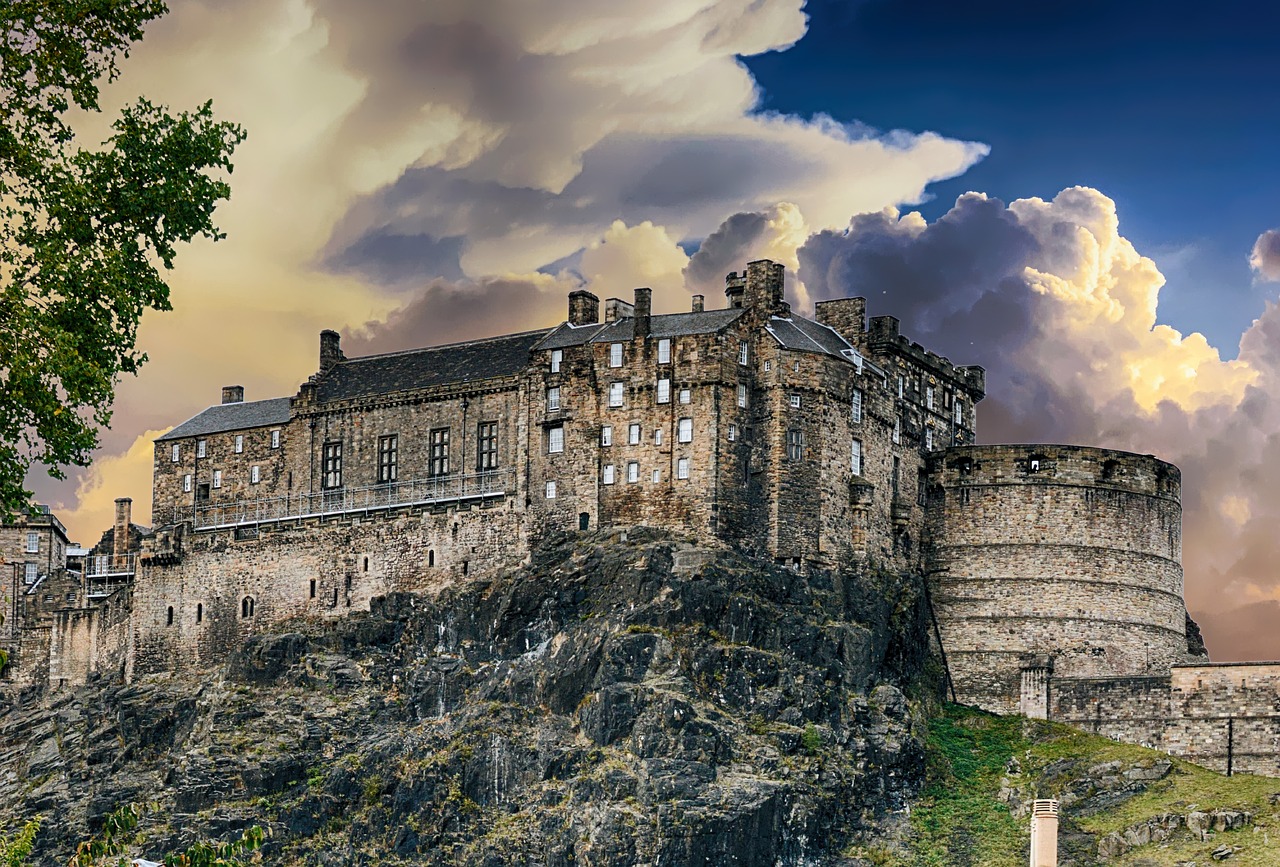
{"x": 828, "y": 443}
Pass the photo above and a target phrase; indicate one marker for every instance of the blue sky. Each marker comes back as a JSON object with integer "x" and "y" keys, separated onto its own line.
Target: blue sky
{"x": 1171, "y": 109}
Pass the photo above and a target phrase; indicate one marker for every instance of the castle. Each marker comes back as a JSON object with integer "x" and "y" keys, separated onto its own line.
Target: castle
{"x": 834, "y": 443}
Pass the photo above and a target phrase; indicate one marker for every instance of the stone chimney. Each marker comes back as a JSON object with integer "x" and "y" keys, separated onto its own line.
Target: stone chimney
{"x": 643, "y": 311}
{"x": 120, "y": 532}
{"x": 735, "y": 287}
{"x": 616, "y": 308}
{"x": 1044, "y": 833}
{"x": 584, "y": 308}
{"x": 698, "y": 303}
{"x": 846, "y": 316}
{"x": 233, "y": 394}
{"x": 764, "y": 289}
{"x": 330, "y": 350}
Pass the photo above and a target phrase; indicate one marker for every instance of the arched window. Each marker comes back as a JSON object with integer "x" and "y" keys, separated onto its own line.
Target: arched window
{"x": 431, "y": 557}
{"x": 168, "y": 621}
{"x": 246, "y": 607}
{"x": 199, "y": 612}
{"x": 366, "y": 564}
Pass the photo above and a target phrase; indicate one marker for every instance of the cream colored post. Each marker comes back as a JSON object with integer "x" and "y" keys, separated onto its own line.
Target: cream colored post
{"x": 1044, "y": 833}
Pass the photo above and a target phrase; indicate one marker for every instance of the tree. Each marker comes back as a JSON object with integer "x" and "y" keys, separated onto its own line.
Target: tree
{"x": 84, "y": 233}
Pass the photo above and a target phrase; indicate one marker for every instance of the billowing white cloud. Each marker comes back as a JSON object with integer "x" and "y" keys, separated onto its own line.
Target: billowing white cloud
{"x": 1265, "y": 258}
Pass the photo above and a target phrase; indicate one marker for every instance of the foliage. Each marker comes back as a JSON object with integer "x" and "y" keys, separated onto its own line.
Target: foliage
{"x": 14, "y": 850}
{"x": 120, "y": 831}
{"x": 811, "y": 739}
{"x": 82, "y": 232}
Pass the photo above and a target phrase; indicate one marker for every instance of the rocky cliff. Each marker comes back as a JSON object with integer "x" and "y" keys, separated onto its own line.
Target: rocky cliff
{"x": 623, "y": 700}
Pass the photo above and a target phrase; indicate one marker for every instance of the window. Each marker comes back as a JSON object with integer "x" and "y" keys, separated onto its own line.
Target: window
{"x": 657, "y": 436}
{"x": 901, "y": 384}
{"x": 616, "y": 393}
{"x": 275, "y": 439}
{"x": 1034, "y": 465}
{"x": 664, "y": 391}
{"x": 200, "y": 448}
{"x": 633, "y": 471}
{"x": 199, "y": 612}
{"x": 553, "y": 398}
{"x": 555, "y": 439}
{"x": 332, "y": 466}
{"x": 551, "y": 490}
{"x": 795, "y": 445}
{"x": 857, "y": 406}
{"x": 657, "y": 476}
{"x": 239, "y": 443}
{"x": 388, "y": 458}
{"x": 615, "y": 355}
{"x": 633, "y": 435}
{"x": 742, "y": 394}
{"x": 794, "y": 400}
{"x": 958, "y": 406}
{"x": 217, "y": 478}
{"x": 246, "y": 607}
{"x": 557, "y": 358}
{"x": 928, "y": 397}
{"x": 606, "y": 435}
{"x": 897, "y": 430}
{"x": 29, "y": 573}
{"x": 168, "y": 616}
{"x": 685, "y": 396}
{"x": 438, "y": 461}
{"x": 682, "y": 468}
{"x": 33, "y": 543}
{"x": 768, "y": 366}
{"x": 742, "y": 352}
{"x": 487, "y": 446}
{"x": 684, "y": 430}
{"x": 186, "y": 483}
{"x": 608, "y": 474}
{"x": 254, "y": 475}
{"x": 733, "y": 433}
{"x": 177, "y": 453}
{"x": 856, "y": 457}
{"x": 313, "y": 588}
{"x": 664, "y": 350}
{"x": 928, "y": 439}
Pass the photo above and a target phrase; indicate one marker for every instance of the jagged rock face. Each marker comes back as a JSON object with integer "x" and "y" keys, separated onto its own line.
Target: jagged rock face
{"x": 1195, "y": 641}
{"x": 600, "y": 707}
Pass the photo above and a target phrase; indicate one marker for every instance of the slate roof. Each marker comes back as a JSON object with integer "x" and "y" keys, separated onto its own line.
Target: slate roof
{"x": 434, "y": 365}
{"x": 663, "y": 325}
{"x": 797, "y": 332}
{"x": 232, "y": 416}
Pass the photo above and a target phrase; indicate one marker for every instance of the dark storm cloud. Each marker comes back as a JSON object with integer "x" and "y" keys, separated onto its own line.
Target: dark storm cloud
{"x": 394, "y": 259}
{"x": 1266, "y": 255}
{"x": 724, "y": 250}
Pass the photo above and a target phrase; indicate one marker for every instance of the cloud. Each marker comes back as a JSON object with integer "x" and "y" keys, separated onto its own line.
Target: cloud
{"x": 775, "y": 233}
{"x": 122, "y": 475}
{"x": 628, "y": 257}
{"x": 1265, "y": 258}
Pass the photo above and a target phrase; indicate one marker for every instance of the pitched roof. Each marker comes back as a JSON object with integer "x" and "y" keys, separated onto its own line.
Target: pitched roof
{"x": 796, "y": 332}
{"x": 663, "y": 325}
{"x": 435, "y": 365}
{"x": 232, "y": 416}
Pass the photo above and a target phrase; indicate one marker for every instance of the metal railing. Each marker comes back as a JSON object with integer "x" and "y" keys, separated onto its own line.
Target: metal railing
{"x": 109, "y": 566}
{"x": 443, "y": 489}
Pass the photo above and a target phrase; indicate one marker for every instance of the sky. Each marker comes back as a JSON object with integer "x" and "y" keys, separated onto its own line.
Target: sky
{"x": 1080, "y": 197}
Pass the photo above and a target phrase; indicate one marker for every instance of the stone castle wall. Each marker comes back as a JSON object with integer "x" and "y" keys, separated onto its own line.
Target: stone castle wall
{"x": 1226, "y": 709}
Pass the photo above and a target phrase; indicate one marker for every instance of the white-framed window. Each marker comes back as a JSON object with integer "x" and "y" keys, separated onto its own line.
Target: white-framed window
{"x": 551, "y": 490}
{"x": 742, "y": 394}
{"x": 733, "y": 433}
{"x": 615, "y": 355}
{"x": 608, "y": 474}
{"x": 902, "y": 385}
{"x": 33, "y": 543}
{"x": 857, "y": 406}
{"x": 686, "y": 395}
{"x": 186, "y": 483}
{"x": 768, "y": 366}
{"x": 557, "y": 358}
{"x": 856, "y": 457}
{"x": 275, "y": 439}
{"x": 553, "y": 398}
{"x": 239, "y": 443}
{"x": 606, "y": 435}
{"x": 682, "y": 468}
{"x": 743, "y": 352}
{"x": 177, "y": 453}
{"x": 958, "y": 407}
{"x": 664, "y": 350}
{"x": 657, "y": 476}
{"x": 29, "y": 573}
{"x": 664, "y": 391}
{"x": 217, "y": 478}
{"x": 255, "y": 475}
{"x": 633, "y": 434}
{"x": 684, "y": 430}
{"x": 633, "y": 471}
{"x": 200, "y": 448}
{"x": 617, "y": 392}
{"x": 897, "y": 429}
{"x": 555, "y": 439}
{"x": 928, "y": 439}
{"x": 657, "y": 436}
{"x": 794, "y": 400}
{"x": 928, "y": 397}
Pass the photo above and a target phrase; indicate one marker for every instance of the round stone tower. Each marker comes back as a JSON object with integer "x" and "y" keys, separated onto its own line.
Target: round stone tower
{"x": 1059, "y": 559}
